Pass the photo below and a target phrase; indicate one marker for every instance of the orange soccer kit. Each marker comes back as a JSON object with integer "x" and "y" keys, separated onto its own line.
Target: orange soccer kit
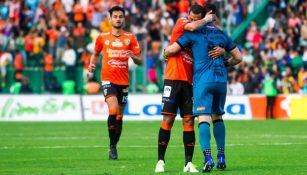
{"x": 178, "y": 94}
{"x": 114, "y": 71}
{"x": 114, "y": 50}
{"x": 180, "y": 65}
{"x": 178, "y": 77}
{"x": 115, "y": 78}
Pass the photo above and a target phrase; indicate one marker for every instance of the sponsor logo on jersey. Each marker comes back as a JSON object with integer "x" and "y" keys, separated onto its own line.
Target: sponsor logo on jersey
{"x": 202, "y": 108}
{"x": 117, "y": 53}
{"x": 164, "y": 99}
{"x": 187, "y": 57}
{"x": 167, "y": 91}
{"x": 117, "y": 63}
{"x": 168, "y": 100}
{"x": 117, "y": 43}
{"x": 107, "y": 42}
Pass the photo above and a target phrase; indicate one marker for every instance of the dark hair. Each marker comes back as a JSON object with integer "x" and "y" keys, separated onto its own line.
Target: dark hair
{"x": 210, "y": 7}
{"x": 197, "y": 9}
{"x": 272, "y": 73}
{"x": 116, "y": 8}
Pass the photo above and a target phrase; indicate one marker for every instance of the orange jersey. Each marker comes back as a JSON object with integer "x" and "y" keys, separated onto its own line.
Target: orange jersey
{"x": 180, "y": 65}
{"x": 115, "y": 61}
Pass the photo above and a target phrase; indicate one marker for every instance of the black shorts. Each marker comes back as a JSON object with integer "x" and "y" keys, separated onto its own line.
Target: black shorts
{"x": 121, "y": 92}
{"x": 177, "y": 95}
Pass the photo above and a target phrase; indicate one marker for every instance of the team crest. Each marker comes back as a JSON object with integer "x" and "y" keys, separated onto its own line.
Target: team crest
{"x": 127, "y": 42}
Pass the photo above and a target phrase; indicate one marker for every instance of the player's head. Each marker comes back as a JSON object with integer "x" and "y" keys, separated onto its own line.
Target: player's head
{"x": 196, "y": 12}
{"x": 117, "y": 16}
{"x": 210, "y": 7}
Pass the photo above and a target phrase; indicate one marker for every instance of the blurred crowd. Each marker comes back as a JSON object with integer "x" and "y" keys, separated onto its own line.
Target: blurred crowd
{"x": 60, "y": 34}
{"x": 278, "y": 48}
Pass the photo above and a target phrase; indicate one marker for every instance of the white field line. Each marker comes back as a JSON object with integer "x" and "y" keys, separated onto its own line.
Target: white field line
{"x": 283, "y": 136}
{"x": 55, "y": 138}
{"x": 141, "y": 146}
{"x": 33, "y": 137}
{"x": 73, "y": 138}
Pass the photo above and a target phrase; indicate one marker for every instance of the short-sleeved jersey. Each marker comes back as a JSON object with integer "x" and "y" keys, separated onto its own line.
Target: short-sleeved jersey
{"x": 206, "y": 69}
{"x": 114, "y": 49}
{"x": 180, "y": 65}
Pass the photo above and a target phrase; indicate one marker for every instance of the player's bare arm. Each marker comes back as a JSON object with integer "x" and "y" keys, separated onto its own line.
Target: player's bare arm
{"x": 194, "y": 25}
{"x": 217, "y": 52}
{"x": 93, "y": 61}
{"x": 137, "y": 59}
{"x": 172, "y": 49}
{"x": 236, "y": 57}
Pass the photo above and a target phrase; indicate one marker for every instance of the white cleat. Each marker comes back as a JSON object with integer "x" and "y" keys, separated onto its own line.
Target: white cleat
{"x": 160, "y": 167}
{"x": 190, "y": 168}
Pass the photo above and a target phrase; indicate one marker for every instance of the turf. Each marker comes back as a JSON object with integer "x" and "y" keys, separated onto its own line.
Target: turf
{"x": 80, "y": 148}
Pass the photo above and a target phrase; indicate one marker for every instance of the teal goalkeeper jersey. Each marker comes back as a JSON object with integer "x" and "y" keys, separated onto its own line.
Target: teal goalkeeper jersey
{"x": 206, "y": 69}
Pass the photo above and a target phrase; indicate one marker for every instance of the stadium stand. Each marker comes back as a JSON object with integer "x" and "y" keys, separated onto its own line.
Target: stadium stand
{"x": 44, "y": 40}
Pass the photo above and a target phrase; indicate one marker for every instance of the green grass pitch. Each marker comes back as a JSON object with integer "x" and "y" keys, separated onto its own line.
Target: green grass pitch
{"x": 81, "y": 148}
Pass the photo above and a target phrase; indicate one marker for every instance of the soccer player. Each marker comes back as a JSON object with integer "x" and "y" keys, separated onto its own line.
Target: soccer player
{"x": 117, "y": 46}
{"x": 209, "y": 84}
{"x": 178, "y": 90}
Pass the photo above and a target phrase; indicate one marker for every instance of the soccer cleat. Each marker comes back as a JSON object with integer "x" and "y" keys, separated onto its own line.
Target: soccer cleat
{"x": 190, "y": 168}
{"x": 112, "y": 152}
{"x": 208, "y": 165}
{"x": 160, "y": 167}
{"x": 221, "y": 164}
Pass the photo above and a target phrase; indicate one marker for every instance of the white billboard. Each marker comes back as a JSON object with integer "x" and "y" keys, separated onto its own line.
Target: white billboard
{"x": 139, "y": 107}
{"x": 40, "y": 108}
{"x": 237, "y": 108}
{"x": 148, "y": 107}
